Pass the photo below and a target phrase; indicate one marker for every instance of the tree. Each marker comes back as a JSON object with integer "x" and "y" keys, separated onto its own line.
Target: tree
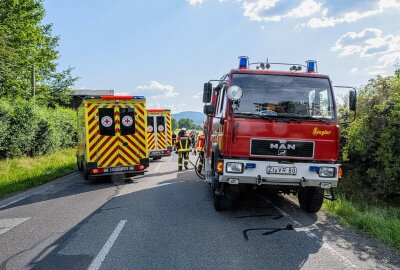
{"x": 371, "y": 147}
{"x": 26, "y": 43}
{"x": 174, "y": 124}
{"x": 186, "y": 123}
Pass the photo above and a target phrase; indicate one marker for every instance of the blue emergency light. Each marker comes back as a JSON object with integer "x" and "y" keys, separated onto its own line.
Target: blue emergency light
{"x": 314, "y": 168}
{"x": 311, "y": 66}
{"x": 243, "y": 62}
{"x": 250, "y": 165}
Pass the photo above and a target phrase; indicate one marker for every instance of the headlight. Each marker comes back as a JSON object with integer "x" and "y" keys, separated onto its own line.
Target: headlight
{"x": 234, "y": 167}
{"x": 328, "y": 172}
{"x": 234, "y": 92}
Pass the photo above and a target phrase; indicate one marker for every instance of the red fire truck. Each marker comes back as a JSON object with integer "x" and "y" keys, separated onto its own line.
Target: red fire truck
{"x": 272, "y": 129}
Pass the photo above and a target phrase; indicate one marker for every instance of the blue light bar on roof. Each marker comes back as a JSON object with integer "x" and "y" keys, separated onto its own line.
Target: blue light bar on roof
{"x": 138, "y": 97}
{"x": 243, "y": 62}
{"x": 311, "y": 66}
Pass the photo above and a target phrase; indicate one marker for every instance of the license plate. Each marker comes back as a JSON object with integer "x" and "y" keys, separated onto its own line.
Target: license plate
{"x": 281, "y": 170}
{"x": 119, "y": 169}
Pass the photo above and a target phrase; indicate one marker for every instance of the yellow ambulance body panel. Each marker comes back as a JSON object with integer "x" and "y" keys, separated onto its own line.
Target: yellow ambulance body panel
{"x": 159, "y": 133}
{"x": 112, "y": 136}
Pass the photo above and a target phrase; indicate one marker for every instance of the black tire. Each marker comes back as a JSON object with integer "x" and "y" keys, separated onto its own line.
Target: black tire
{"x": 311, "y": 199}
{"x": 79, "y": 165}
{"x": 221, "y": 202}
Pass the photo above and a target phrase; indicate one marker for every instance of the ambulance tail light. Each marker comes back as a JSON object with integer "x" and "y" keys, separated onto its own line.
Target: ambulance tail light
{"x": 97, "y": 171}
{"x": 138, "y": 167}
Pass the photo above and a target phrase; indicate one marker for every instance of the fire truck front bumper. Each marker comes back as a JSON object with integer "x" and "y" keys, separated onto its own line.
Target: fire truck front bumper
{"x": 325, "y": 175}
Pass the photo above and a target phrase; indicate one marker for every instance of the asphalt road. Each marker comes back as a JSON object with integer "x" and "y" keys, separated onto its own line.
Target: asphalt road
{"x": 165, "y": 220}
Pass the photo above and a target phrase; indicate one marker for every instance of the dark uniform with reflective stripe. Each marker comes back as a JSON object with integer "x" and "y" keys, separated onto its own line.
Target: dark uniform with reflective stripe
{"x": 200, "y": 149}
{"x": 183, "y": 148}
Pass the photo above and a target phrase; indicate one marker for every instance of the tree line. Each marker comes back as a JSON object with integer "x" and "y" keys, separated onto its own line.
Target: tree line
{"x": 370, "y": 144}
{"x": 185, "y": 123}
{"x": 31, "y": 122}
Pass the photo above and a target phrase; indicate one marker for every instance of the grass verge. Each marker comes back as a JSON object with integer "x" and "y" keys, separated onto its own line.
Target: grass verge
{"x": 379, "y": 222}
{"x": 22, "y": 173}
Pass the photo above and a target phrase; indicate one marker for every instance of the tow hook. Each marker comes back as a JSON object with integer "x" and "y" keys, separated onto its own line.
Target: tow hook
{"x": 303, "y": 180}
{"x": 330, "y": 197}
{"x": 259, "y": 180}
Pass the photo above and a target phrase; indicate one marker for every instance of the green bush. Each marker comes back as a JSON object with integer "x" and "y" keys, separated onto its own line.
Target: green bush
{"x": 372, "y": 149}
{"x": 26, "y": 130}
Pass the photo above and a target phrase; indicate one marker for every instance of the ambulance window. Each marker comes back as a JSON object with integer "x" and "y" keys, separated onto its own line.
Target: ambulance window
{"x": 106, "y": 121}
{"x": 127, "y": 117}
{"x": 150, "y": 124}
{"x": 161, "y": 123}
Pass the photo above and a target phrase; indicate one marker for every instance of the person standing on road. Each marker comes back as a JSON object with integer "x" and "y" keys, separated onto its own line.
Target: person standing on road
{"x": 183, "y": 144}
{"x": 173, "y": 140}
{"x": 199, "y": 148}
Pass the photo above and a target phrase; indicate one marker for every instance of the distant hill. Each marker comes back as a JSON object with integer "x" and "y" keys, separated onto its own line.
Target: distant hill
{"x": 197, "y": 117}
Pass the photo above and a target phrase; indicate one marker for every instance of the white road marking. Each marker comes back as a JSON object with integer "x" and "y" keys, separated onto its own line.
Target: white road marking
{"x": 39, "y": 190}
{"x": 15, "y": 201}
{"x": 107, "y": 246}
{"x": 315, "y": 237}
{"x": 9, "y": 223}
{"x": 158, "y": 167}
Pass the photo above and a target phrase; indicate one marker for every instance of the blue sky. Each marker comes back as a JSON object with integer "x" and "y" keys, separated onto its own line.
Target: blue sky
{"x": 166, "y": 50}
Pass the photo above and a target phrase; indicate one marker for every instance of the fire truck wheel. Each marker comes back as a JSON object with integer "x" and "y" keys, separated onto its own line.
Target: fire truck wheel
{"x": 311, "y": 199}
{"x": 221, "y": 202}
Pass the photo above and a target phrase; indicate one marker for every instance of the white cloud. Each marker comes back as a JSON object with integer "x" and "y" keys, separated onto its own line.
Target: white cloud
{"x": 305, "y": 9}
{"x": 198, "y": 95}
{"x": 255, "y": 10}
{"x": 371, "y": 43}
{"x": 195, "y": 2}
{"x": 316, "y": 13}
{"x": 368, "y": 43}
{"x": 168, "y": 91}
{"x": 175, "y": 108}
{"x": 354, "y": 70}
{"x": 352, "y": 16}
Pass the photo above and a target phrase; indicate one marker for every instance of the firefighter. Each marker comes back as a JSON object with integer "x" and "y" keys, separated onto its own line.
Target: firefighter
{"x": 173, "y": 140}
{"x": 183, "y": 149}
{"x": 199, "y": 148}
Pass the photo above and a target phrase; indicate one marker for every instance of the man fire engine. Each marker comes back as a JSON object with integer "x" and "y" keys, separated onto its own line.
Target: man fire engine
{"x": 272, "y": 129}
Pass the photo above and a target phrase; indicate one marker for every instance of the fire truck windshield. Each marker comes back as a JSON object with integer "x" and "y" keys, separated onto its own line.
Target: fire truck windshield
{"x": 282, "y": 95}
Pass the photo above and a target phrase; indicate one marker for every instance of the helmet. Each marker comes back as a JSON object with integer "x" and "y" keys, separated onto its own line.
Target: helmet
{"x": 183, "y": 129}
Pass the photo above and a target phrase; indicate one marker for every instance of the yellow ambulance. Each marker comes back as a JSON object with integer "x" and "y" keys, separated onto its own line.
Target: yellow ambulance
{"x": 159, "y": 133}
{"x": 112, "y": 137}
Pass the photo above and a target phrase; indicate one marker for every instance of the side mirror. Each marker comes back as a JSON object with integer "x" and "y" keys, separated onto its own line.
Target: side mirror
{"x": 207, "y": 92}
{"x": 208, "y": 110}
{"x": 352, "y": 100}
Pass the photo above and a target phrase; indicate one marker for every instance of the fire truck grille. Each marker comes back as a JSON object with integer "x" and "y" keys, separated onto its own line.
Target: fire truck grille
{"x": 282, "y": 148}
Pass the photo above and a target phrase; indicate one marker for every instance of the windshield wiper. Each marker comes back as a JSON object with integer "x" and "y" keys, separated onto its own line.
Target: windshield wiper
{"x": 271, "y": 118}
{"x": 310, "y": 118}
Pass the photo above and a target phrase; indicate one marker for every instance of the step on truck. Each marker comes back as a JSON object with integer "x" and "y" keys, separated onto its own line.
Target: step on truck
{"x": 159, "y": 133}
{"x": 272, "y": 129}
{"x": 112, "y": 136}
